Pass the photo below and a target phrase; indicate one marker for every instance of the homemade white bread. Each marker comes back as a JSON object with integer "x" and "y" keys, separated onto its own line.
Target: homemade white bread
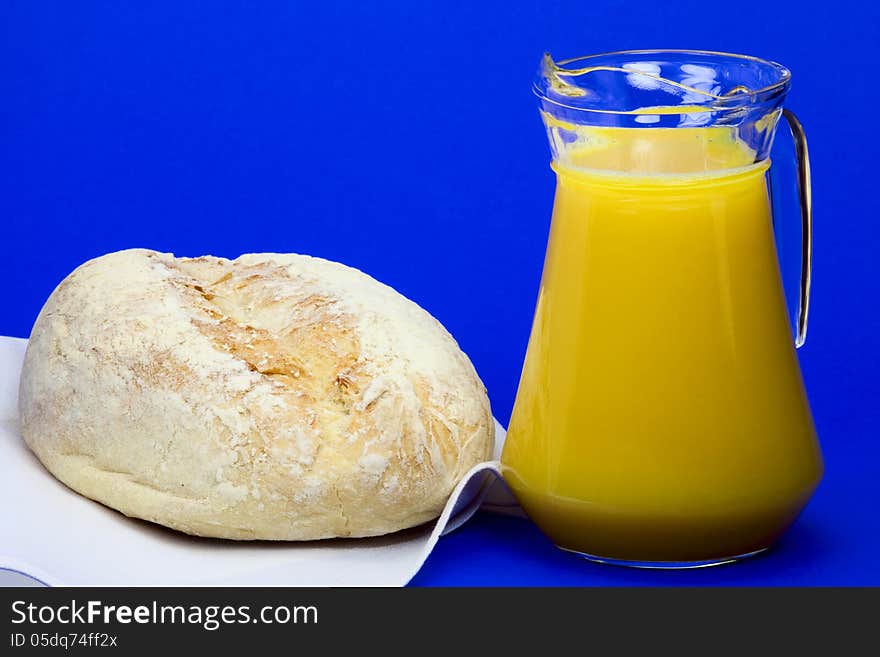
{"x": 269, "y": 397}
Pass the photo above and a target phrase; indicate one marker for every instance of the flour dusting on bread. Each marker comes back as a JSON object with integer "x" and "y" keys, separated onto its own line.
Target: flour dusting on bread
{"x": 274, "y": 396}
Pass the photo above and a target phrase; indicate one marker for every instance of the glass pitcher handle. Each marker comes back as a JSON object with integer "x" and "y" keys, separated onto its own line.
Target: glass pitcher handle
{"x": 806, "y": 201}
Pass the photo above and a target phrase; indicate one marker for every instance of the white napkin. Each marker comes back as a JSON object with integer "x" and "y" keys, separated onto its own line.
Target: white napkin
{"x": 58, "y": 537}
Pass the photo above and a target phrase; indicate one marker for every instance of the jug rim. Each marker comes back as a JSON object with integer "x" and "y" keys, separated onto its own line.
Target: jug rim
{"x": 744, "y": 97}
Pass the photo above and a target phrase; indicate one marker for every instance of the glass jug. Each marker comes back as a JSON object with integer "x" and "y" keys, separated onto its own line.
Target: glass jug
{"x": 661, "y": 419}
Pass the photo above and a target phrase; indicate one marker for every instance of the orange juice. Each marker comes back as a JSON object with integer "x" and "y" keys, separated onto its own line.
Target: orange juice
{"x": 661, "y": 415}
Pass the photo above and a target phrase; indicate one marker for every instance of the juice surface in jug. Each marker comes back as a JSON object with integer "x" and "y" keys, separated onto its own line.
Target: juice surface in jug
{"x": 661, "y": 415}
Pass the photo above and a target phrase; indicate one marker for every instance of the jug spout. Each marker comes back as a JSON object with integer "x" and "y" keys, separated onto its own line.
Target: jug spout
{"x": 739, "y": 97}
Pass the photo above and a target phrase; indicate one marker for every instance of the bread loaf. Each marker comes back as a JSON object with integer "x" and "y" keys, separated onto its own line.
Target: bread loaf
{"x": 269, "y": 397}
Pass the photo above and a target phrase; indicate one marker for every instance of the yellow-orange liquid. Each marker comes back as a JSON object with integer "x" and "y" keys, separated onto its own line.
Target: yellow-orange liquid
{"x": 661, "y": 414}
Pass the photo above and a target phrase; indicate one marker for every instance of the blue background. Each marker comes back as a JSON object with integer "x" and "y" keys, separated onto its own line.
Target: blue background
{"x": 402, "y": 138}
